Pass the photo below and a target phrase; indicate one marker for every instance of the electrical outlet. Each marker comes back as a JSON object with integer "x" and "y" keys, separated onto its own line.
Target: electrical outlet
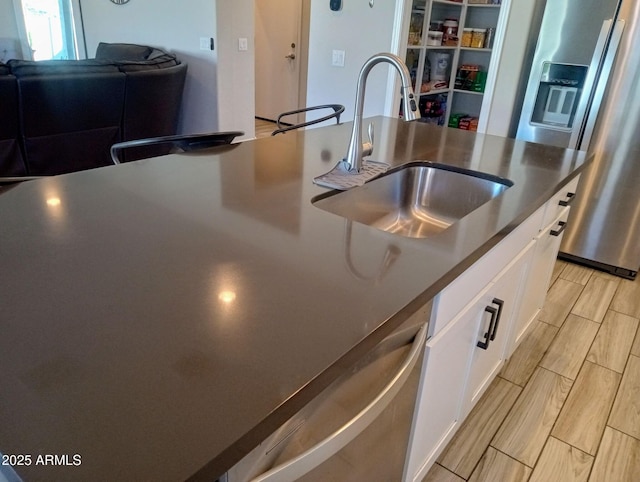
{"x": 337, "y": 59}
{"x": 242, "y": 44}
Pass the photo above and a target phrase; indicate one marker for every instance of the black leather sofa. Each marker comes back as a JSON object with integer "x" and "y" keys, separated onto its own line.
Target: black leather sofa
{"x": 61, "y": 116}
{"x": 11, "y": 160}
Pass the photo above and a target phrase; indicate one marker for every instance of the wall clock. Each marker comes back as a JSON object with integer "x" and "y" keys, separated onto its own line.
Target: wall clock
{"x": 119, "y": 2}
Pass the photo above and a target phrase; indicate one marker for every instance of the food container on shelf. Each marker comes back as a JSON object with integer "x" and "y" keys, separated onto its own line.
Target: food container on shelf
{"x": 434, "y": 38}
{"x": 436, "y": 25}
{"x": 480, "y": 81}
{"x": 452, "y": 41}
{"x": 439, "y": 65}
{"x": 454, "y": 119}
{"x": 488, "y": 37}
{"x": 468, "y": 123}
{"x": 415, "y": 30}
{"x": 467, "y": 33}
{"x": 466, "y": 76}
{"x": 477, "y": 38}
{"x": 449, "y": 29}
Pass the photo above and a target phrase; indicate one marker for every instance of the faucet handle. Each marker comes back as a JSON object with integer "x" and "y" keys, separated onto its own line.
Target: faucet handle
{"x": 367, "y": 147}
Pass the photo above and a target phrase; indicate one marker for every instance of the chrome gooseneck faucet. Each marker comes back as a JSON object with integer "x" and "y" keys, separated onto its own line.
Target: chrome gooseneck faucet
{"x": 356, "y": 150}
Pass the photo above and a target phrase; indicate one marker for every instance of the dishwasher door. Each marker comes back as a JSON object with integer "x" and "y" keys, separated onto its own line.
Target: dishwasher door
{"x": 357, "y": 429}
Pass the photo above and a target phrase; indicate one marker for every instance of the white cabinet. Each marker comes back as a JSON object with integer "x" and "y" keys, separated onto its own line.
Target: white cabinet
{"x": 441, "y": 391}
{"x": 547, "y": 244}
{"x": 451, "y": 71}
{"x": 546, "y": 248}
{"x": 465, "y": 287}
{"x": 476, "y": 323}
{"x": 456, "y": 370}
{"x": 496, "y": 311}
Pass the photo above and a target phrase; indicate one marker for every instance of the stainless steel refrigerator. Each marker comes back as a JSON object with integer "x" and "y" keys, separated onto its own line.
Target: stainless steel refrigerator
{"x": 582, "y": 93}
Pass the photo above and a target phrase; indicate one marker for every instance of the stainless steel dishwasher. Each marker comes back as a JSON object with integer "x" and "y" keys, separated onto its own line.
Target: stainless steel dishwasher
{"x": 357, "y": 429}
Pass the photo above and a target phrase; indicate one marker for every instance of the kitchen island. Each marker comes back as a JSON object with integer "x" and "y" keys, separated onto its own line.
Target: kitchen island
{"x": 161, "y": 318}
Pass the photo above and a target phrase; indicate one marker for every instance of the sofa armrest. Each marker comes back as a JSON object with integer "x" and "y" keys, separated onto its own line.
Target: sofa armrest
{"x": 152, "y": 105}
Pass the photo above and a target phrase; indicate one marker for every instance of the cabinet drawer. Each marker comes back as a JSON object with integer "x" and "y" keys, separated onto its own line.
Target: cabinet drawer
{"x": 465, "y": 287}
{"x": 560, "y": 200}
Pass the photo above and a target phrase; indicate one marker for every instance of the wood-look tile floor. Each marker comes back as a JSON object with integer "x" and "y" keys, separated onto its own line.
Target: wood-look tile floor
{"x": 264, "y": 128}
{"x": 566, "y": 406}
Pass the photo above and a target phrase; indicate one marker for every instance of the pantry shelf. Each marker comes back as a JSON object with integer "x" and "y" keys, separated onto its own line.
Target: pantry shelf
{"x": 447, "y": 39}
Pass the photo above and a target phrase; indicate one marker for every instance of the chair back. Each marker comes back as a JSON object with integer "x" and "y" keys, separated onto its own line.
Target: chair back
{"x": 282, "y": 127}
{"x": 169, "y": 144}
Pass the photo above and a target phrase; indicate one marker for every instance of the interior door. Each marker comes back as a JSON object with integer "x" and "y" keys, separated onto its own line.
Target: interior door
{"x": 278, "y": 56}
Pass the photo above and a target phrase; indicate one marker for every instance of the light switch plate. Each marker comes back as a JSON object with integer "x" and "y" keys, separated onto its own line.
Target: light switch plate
{"x": 205, "y": 43}
{"x": 242, "y": 44}
{"x": 337, "y": 59}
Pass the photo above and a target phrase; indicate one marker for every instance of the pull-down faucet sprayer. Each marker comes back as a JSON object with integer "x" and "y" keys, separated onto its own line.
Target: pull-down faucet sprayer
{"x": 356, "y": 151}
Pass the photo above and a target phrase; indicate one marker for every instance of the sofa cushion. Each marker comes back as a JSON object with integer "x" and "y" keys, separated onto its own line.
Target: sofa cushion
{"x": 24, "y": 68}
{"x": 61, "y": 104}
{"x": 73, "y": 151}
{"x": 4, "y": 69}
{"x": 119, "y": 51}
{"x": 162, "y": 61}
{"x": 69, "y": 122}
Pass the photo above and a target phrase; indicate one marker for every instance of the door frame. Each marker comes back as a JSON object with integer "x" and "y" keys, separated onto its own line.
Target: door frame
{"x": 302, "y": 52}
{"x": 305, "y": 26}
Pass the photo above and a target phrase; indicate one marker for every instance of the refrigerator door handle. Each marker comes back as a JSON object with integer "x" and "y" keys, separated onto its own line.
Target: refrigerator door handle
{"x": 586, "y": 96}
{"x": 607, "y": 66}
{"x": 314, "y": 456}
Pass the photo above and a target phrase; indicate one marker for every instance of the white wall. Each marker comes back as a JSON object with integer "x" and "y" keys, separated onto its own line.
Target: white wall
{"x": 361, "y": 32}
{"x": 7, "y": 20}
{"x": 236, "y": 78}
{"x": 8, "y": 31}
{"x": 171, "y": 26}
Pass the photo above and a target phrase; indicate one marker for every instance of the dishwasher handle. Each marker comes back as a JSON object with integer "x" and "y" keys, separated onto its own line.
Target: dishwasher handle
{"x": 314, "y": 456}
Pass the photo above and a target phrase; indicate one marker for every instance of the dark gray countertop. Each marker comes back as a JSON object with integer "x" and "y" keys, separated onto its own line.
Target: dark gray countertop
{"x": 162, "y": 317}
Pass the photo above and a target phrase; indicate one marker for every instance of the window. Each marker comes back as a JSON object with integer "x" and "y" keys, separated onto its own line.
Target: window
{"x": 51, "y": 29}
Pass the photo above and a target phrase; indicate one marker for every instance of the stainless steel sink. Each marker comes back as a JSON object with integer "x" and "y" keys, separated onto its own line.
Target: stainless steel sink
{"x": 417, "y": 200}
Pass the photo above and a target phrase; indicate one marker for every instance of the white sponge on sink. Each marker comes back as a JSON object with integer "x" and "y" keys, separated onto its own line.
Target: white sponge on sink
{"x": 342, "y": 178}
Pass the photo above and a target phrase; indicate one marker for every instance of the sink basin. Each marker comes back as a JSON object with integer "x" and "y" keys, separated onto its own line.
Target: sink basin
{"x": 417, "y": 200}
